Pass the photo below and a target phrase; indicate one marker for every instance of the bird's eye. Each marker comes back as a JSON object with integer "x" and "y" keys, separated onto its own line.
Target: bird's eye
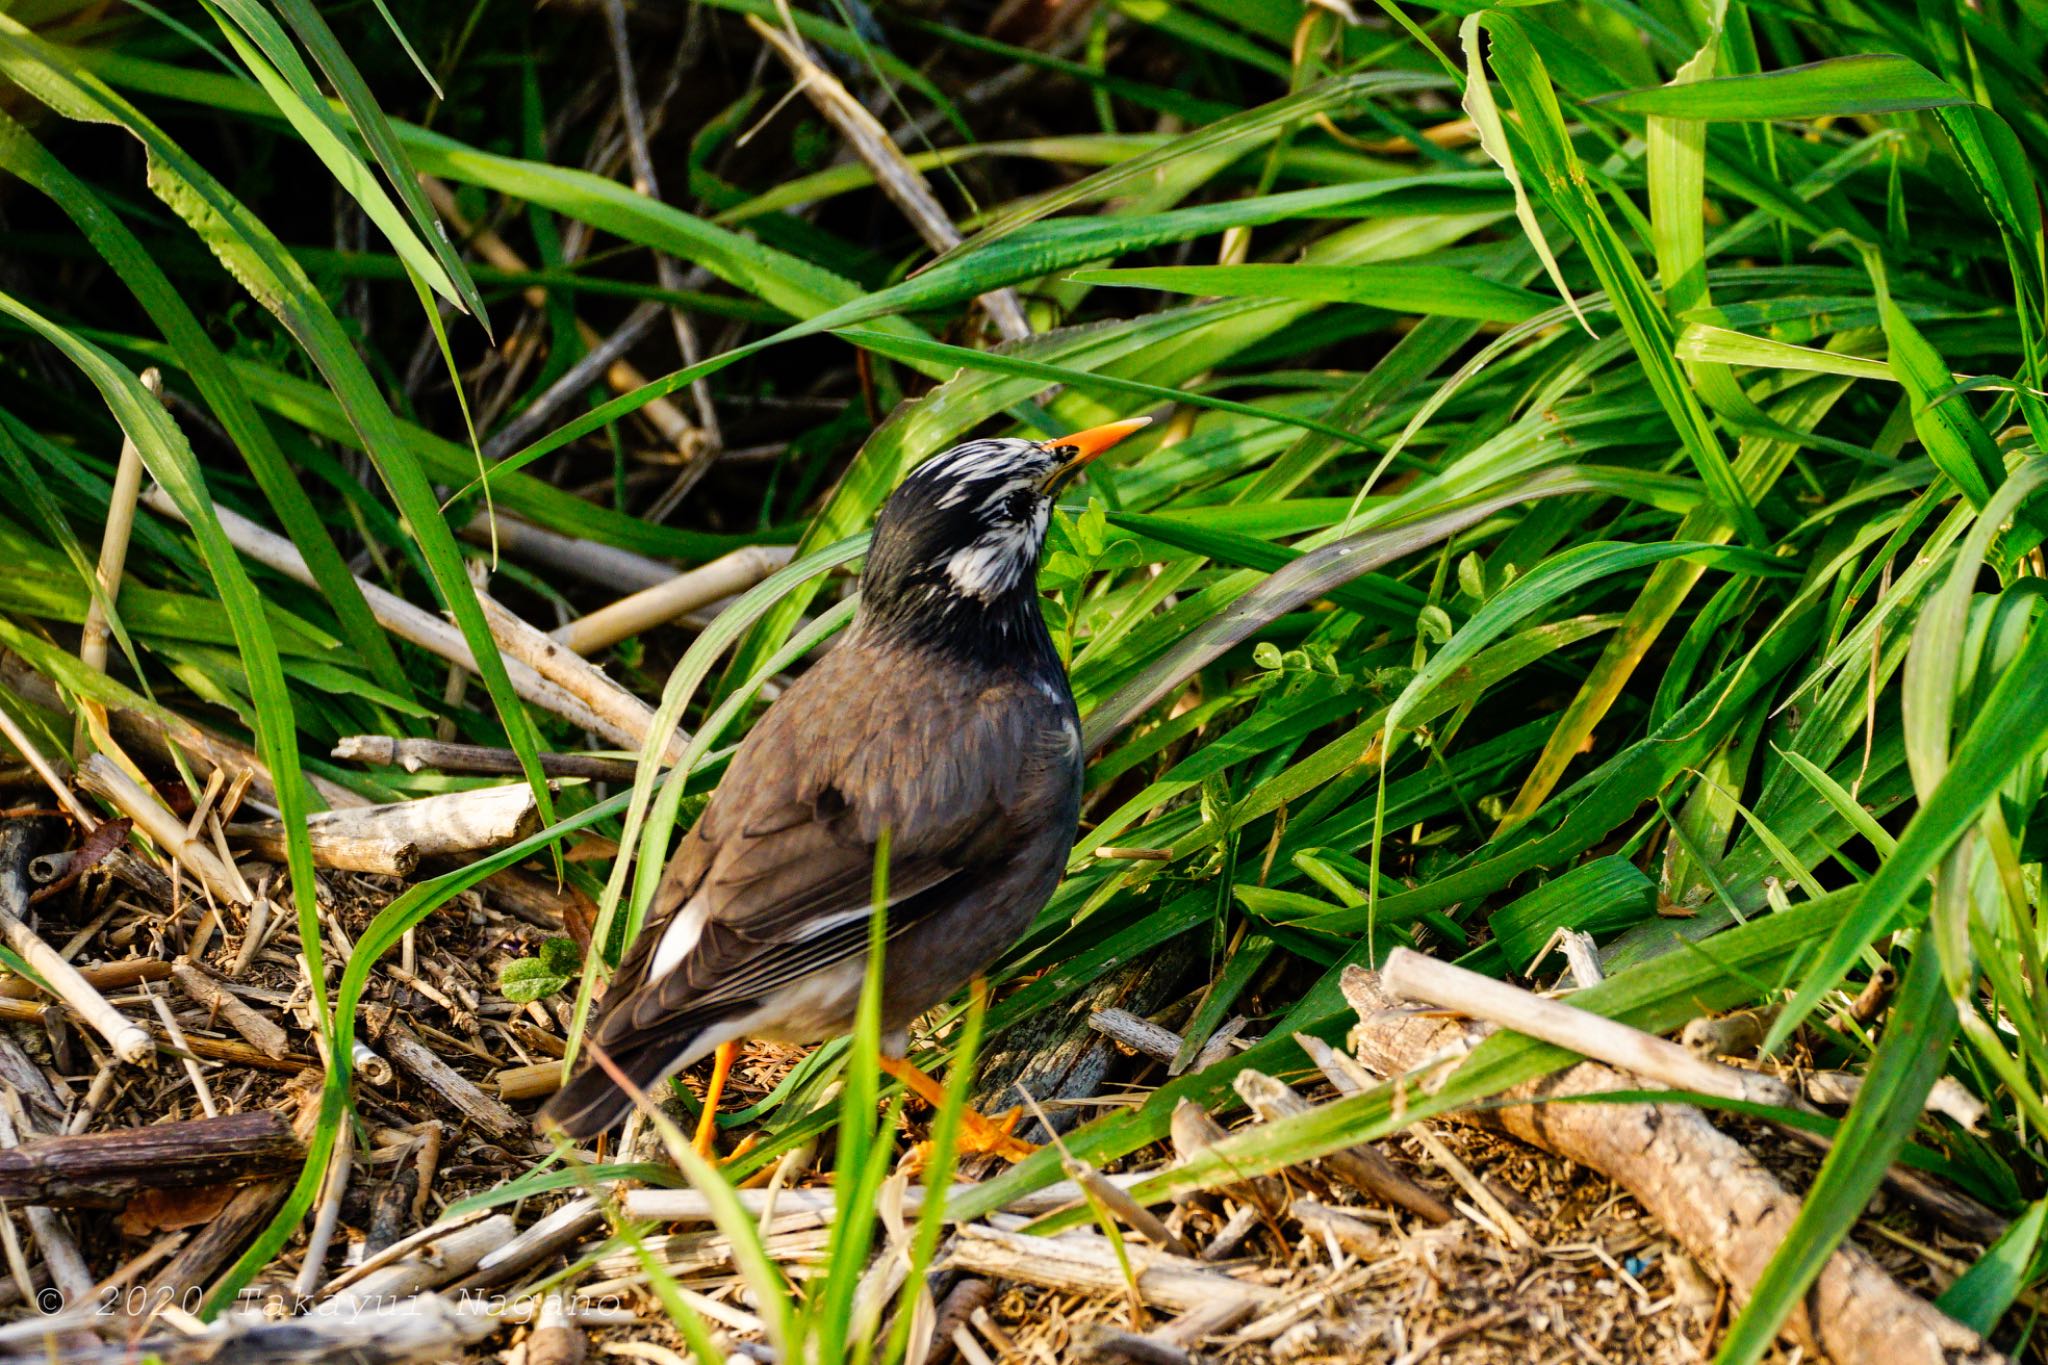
{"x": 1019, "y": 505}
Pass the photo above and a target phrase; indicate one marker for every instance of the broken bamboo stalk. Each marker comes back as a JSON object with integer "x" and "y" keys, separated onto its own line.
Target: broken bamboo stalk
{"x": 723, "y": 577}
{"x": 392, "y": 838}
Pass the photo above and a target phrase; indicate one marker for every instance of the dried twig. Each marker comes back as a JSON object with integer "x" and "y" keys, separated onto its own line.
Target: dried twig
{"x": 1362, "y": 1166}
{"x": 415, "y": 754}
{"x": 898, "y": 179}
{"x": 103, "y": 1169}
{"x": 262, "y": 1033}
{"x": 435, "y": 635}
{"x": 1089, "y": 1264}
{"x": 417, "y": 1060}
{"x": 99, "y": 775}
{"x": 1139, "y": 1035}
{"x": 603, "y": 566}
{"x": 129, "y": 1040}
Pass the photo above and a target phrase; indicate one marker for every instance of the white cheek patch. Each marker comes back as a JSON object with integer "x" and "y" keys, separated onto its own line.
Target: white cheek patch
{"x": 995, "y": 562}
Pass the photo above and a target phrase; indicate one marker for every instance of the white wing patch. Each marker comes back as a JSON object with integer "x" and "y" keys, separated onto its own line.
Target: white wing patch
{"x": 679, "y": 938}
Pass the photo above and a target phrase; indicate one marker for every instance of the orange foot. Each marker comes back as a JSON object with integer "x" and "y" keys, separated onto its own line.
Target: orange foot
{"x": 979, "y": 1133}
{"x": 705, "y": 1144}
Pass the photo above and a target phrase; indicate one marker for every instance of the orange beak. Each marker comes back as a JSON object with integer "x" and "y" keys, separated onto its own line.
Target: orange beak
{"x": 1086, "y": 445}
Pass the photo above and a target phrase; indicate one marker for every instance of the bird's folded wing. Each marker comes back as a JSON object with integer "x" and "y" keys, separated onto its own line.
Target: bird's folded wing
{"x": 776, "y": 880}
{"x": 778, "y": 906}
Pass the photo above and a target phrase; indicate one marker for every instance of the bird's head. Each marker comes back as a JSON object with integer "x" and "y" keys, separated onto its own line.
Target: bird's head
{"x": 958, "y": 541}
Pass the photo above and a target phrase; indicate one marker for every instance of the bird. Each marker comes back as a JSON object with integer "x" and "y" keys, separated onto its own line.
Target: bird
{"x": 944, "y": 722}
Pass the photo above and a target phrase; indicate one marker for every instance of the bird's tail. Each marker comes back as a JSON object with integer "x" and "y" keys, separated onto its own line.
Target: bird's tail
{"x": 591, "y": 1102}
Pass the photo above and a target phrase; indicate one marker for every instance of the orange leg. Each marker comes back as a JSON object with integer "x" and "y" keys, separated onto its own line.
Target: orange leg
{"x": 978, "y": 1132}
{"x": 706, "y": 1141}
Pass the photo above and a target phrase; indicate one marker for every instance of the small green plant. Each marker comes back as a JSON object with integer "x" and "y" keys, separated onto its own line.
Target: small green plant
{"x": 558, "y": 963}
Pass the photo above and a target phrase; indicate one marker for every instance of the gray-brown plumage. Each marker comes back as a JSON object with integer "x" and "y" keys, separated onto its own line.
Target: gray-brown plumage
{"x": 944, "y": 717}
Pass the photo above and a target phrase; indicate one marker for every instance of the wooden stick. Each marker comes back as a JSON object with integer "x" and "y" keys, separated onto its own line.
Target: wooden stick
{"x": 1949, "y": 1096}
{"x": 67, "y": 1268}
{"x": 1139, "y": 1035}
{"x": 1194, "y": 1130}
{"x": 553, "y": 1234}
{"x": 415, "y": 754}
{"x": 1410, "y": 975}
{"x": 528, "y": 1082}
{"x": 408, "y": 622}
{"x": 99, "y": 775}
{"x": 1703, "y": 1187}
{"x": 47, "y": 770}
{"x": 555, "y": 1339}
{"x": 450, "y": 1255}
{"x": 1361, "y": 1166}
{"x": 1128, "y": 1211}
{"x": 723, "y": 577}
{"x": 165, "y": 734}
{"x": 406, "y": 1052}
{"x": 1347, "y": 1077}
{"x": 1351, "y": 1233}
{"x": 333, "y": 1187}
{"x": 213, "y": 1049}
{"x": 104, "y": 1169}
{"x": 129, "y": 1040}
{"x": 421, "y": 1328}
{"x": 623, "y": 715}
{"x": 265, "y": 1034}
{"x": 688, "y": 1206}
{"x": 193, "y": 1072}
